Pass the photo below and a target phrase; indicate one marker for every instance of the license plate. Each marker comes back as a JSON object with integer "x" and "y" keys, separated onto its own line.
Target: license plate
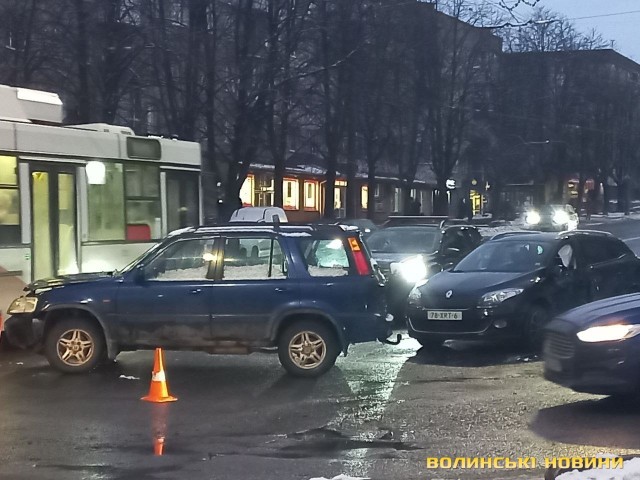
{"x": 553, "y": 364}
{"x": 443, "y": 315}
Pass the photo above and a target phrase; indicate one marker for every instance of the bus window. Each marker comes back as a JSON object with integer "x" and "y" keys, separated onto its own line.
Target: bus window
{"x": 9, "y": 201}
{"x": 182, "y": 200}
{"x": 142, "y": 202}
{"x": 106, "y": 206}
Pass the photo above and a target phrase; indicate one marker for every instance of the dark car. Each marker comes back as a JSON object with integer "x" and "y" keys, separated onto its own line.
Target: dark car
{"x": 551, "y": 218}
{"x": 366, "y": 226}
{"x": 513, "y": 284}
{"x": 315, "y": 293}
{"x": 595, "y": 348}
{"x": 409, "y": 253}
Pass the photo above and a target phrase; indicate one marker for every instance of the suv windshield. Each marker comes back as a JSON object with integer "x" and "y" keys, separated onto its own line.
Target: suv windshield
{"x": 423, "y": 239}
{"x": 507, "y": 256}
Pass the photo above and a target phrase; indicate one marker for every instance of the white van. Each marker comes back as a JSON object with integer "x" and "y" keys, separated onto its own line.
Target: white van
{"x": 255, "y": 249}
{"x": 259, "y": 215}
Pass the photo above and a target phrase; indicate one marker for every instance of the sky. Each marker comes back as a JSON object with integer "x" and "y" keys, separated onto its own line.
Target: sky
{"x": 624, "y": 29}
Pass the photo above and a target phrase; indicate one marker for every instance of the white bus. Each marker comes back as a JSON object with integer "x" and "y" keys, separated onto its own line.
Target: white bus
{"x": 84, "y": 198}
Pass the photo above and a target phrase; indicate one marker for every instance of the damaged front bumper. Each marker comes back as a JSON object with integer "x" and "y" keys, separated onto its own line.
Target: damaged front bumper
{"x": 24, "y": 331}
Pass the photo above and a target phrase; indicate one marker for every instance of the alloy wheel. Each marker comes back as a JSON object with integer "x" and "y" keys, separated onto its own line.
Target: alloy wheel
{"x": 307, "y": 350}
{"x": 75, "y": 347}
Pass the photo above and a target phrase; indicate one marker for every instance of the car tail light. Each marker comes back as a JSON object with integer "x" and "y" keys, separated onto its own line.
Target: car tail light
{"x": 362, "y": 263}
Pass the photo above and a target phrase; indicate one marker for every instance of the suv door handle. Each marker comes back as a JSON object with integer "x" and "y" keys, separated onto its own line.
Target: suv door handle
{"x": 195, "y": 291}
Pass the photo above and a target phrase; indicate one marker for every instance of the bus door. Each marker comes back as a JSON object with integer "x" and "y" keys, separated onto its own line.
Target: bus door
{"x": 54, "y": 217}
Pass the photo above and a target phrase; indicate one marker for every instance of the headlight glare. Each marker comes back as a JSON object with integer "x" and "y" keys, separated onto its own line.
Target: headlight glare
{"x": 532, "y": 218}
{"x": 413, "y": 269}
{"x": 560, "y": 217}
{"x": 493, "y": 299}
{"x": 608, "y": 333}
{"x": 23, "y": 305}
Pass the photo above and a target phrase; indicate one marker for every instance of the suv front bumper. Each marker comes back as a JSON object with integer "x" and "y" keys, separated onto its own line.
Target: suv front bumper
{"x": 24, "y": 331}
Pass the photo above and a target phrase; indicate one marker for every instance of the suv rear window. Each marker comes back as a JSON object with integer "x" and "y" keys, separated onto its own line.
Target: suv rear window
{"x": 325, "y": 257}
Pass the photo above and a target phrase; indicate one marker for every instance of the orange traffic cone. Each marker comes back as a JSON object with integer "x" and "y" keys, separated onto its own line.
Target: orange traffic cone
{"x": 158, "y": 391}
{"x": 158, "y": 446}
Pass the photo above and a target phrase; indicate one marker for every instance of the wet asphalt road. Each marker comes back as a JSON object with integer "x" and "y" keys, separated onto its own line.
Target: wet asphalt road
{"x": 378, "y": 414}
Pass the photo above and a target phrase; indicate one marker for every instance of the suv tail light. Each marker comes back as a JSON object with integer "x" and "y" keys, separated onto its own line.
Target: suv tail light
{"x": 362, "y": 263}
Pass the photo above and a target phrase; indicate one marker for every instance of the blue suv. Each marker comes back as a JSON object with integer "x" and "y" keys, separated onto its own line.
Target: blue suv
{"x": 310, "y": 292}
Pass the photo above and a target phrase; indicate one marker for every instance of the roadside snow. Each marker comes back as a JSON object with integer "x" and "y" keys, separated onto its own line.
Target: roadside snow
{"x": 491, "y": 231}
{"x": 327, "y": 271}
{"x": 340, "y": 477}
{"x": 252, "y": 272}
{"x": 198, "y": 273}
{"x": 630, "y": 471}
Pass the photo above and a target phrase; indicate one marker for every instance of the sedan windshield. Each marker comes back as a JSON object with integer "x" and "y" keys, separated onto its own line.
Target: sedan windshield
{"x": 404, "y": 240}
{"x": 507, "y": 256}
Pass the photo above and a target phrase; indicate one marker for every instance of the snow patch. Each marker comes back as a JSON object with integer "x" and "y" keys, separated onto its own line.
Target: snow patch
{"x": 340, "y": 477}
{"x": 199, "y": 273}
{"x": 295, "y": 234}
{"x": 327, "y": 271}
{"x": 630, "y": 471}
{"x": 252, "y": 272}
{"x": 491, "y": 231}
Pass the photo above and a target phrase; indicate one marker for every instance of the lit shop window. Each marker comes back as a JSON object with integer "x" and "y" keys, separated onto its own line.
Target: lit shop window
{"x": 340, "y": 185}
{"x": 311, "y": 195}
{"x": 246, "y": 192}
{"x": 290, "y": 194}
{"x": 364, "y": 197}
{"x": 397, "y": 202}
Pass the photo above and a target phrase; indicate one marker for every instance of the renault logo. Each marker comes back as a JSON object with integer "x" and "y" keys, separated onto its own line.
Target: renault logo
{"x": 448, "y": 294}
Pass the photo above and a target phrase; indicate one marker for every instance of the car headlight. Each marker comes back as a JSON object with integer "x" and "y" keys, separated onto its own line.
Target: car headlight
{"x": 560, "y": 217}
{"x": 532, "y": 218}
{"x": 412, "y": 269}
{"x": 23, "y": 305}
{"x": 493, "y": 299}
{"x": 608, "y": 333}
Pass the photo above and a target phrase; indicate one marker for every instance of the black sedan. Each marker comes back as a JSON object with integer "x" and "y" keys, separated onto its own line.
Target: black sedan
{"x": 512, "y": 285}
{"x": 596, "y": 348}
{"x": 407, "y": 254}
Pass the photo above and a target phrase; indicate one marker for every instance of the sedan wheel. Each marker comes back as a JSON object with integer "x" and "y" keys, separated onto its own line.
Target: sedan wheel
{"x": 537, "y": 319}
{"x": 307, "y": 348}
{"x": 74, "y": 346}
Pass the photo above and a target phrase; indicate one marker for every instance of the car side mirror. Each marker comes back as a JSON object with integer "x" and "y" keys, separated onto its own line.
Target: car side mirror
{"x": 451, "y": 252}
{"x": 139, "y": 275}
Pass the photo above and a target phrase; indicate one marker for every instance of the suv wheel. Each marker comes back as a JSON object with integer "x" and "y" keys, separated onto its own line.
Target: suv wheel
{"x": 74, "y": 346}
{"x": 307, "y": 348}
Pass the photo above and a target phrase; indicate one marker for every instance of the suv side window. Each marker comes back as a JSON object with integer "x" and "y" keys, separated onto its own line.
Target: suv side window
{"x": 325, "y": 257}
{"x": 253, "y": 258}
{"x": 598, "y": 250}
{"x": 184, "y": 260}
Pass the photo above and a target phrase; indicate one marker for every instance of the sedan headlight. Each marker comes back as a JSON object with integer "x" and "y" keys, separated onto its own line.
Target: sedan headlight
{"x": 23, "y": 305}
{"x": 560, "y": 217}
{"x": 415, "y": 295}
{"x": 532, "y": 218}
{"x": 412, "y": 270}
{"x": 493, "y": 299}
{"x": 608, "y": 333}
